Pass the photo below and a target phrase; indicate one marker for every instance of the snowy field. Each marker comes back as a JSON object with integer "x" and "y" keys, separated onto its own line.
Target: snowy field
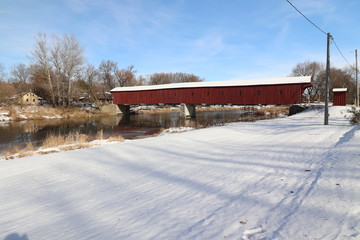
{"x": 288, "y": 178}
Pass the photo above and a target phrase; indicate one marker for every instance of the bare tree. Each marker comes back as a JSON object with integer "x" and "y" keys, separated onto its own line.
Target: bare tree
{"x": 41, "y": 57}
{"x": 140, "y": 80}
{"x": 342, "y": 79}
{"x": 67, "y": 58}
{"x": 166, "y": 78}
{"x": 107, "y": 70}
{"x": 316, "y": 70}
{"x": 90, "y": 78}
{"x": 159, "y": 78}
{"x": 60, "y": 60}
{"x": 338, "y": 79}
{"x": 55, "y": 52}
{"x": 39, "y": 82}
{"x": 7, "y": 91}
{"x": 126, "y": 77}
{"x": 185, "y": 77}
{"x": 20, "y": 77}
{"x": 2, "y": 73}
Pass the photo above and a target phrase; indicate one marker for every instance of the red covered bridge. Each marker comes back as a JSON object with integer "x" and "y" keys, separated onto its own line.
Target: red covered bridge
{"x": 274, "y": 91}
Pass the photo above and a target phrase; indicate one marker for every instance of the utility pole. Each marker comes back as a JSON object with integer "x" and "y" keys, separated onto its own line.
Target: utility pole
{"x": 356, "y": 77}
{"x": 326, "y": 114}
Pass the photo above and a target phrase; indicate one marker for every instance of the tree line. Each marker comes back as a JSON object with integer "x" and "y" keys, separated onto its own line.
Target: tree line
{"x": 339, "y": 78}
{"x": 58, "y": 72}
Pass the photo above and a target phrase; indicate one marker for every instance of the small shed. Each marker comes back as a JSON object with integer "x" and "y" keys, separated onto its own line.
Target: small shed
{"x": 339, "y": 98}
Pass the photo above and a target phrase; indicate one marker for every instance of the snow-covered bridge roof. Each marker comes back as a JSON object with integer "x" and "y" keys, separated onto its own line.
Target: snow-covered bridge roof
{"x": 252, "y": 82}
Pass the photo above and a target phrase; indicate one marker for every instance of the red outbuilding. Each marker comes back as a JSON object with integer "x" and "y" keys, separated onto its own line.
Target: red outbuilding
{"x": 339, "y": 96}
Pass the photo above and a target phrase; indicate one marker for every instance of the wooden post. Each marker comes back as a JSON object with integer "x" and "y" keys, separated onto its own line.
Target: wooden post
{"x": 326, "y": 112}
{"x": 356, "y": 77}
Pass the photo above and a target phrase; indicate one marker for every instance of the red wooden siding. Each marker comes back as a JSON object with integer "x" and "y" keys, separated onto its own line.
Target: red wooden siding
{"x": 339, "y": 98}
{"x": 282, "y": 94}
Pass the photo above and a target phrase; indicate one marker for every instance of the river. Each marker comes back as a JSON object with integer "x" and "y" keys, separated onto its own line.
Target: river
{"x": 19, "y": 133}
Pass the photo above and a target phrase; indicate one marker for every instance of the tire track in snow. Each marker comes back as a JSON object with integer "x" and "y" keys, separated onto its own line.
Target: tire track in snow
{"x": 296, "y": 199}
{"x": 340, "y": 192}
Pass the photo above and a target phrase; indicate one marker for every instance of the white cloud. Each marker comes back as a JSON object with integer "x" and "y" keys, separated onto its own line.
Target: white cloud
{"x": 210, "y": 45}
{"x": 79, "y": 5}
{"x": 319, "y": 7}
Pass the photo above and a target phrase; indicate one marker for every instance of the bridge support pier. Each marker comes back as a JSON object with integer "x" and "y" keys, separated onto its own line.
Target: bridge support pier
{"x": 187, "y": 110}
{"x": 124, "y": 109}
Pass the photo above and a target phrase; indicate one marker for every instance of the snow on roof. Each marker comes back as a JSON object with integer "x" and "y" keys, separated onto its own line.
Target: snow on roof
{"x": 253, "y": 82}
{"x": 339, "y": 90}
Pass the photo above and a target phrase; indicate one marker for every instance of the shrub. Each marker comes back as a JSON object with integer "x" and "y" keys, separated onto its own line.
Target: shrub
{"x": 116, "y": 139}
{"x": 76, "y": 138}
{"x": 100, "y": 135}
{"x": 71, "y": 138}
{"x": 53, "y": 141}
{"x": 355, "y": 118}
{"x": 29, "y": 147}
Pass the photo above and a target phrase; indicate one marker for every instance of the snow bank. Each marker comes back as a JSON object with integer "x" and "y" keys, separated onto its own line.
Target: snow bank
{"x": 289, "y": 178}
{"x": 177, "y": 130}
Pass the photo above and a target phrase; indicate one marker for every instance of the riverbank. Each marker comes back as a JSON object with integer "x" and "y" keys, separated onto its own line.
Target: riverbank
{"x": 29, "y": 137}
{"x": 286, "y": 178}
{"x": 59, "y": 143}
{"x": 272, "y": 110}
{"x": 18, "y": 112}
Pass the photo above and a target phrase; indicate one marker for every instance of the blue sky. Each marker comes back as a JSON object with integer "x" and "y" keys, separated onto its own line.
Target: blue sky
{"x": 214, "y": 39}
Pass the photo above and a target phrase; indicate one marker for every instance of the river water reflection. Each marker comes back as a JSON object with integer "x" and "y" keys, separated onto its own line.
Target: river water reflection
{"x": 19, "y": 133}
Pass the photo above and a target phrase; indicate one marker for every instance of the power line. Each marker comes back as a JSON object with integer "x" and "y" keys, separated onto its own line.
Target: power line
{"x": 307, "y": 18}
{"x": 332, "y": 38}
{"x": 337, "y": 47}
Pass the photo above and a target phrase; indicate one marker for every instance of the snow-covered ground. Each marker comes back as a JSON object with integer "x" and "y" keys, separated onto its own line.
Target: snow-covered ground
{"x": 288, "y": 178}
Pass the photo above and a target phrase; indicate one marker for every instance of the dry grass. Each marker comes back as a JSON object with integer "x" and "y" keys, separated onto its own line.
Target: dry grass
{"x": 116, "y": 139}
{"x": 77, "y": 138}
{"x": 25, "y": 154}
{"x": 29, "y": 147}
{"x": 273, "y": 111}
{"x": 75, "y": 146}
{"x": 56, "y": 143}
{"x": 72, "y": 138}
{"x": 9, "y": 153}
{"x": 18, "y": 112}
{"x": 157, "y": 110}
{"x": 224, "y": 108}
{"x": 18, "y": 152}
{"x": 262, "y": 111}
{"x": 100, "y": 135}
{"x": 53, "y": 141}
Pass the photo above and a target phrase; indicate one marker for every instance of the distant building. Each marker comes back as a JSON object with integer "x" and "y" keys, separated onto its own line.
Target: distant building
{"x": 28, "y": 98}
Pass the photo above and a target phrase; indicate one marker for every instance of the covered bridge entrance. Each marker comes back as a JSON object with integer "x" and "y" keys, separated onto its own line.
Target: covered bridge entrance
{"x": 274, "y": 91}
